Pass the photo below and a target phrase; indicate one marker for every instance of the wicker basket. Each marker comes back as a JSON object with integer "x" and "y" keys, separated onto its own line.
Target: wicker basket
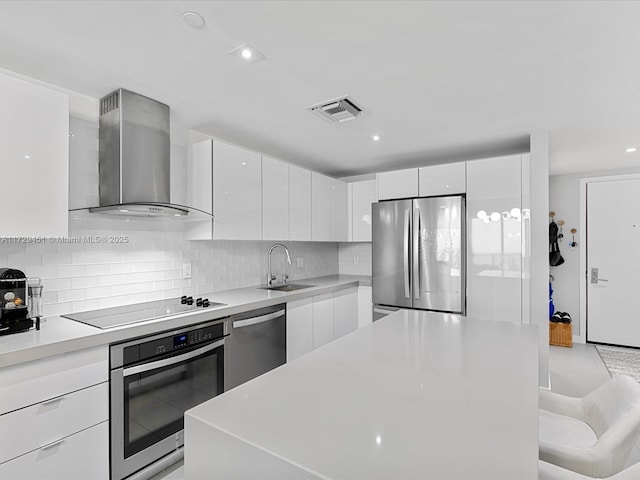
{"x": 560, "y": 334}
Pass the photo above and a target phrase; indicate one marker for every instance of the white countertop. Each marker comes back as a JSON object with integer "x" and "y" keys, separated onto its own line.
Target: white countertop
{"x": 60, "y": 335}
{"x": 415, "y": 395}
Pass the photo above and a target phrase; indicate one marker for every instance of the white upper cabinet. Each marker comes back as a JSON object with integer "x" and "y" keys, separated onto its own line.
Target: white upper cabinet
{"x": 200, "y": 176}
{"x": 398, "y": 184}
{"x": 494, "y": 238}
{"x": 299, "y": 203}
{"x": 449, "y": 179}
{"x": 321, "y": 202}
{"x": 275, "y": 199}
{"x": 233, "y": 188}
{"x": 361, "y": 196}
{"x": 237, "y": 193}
{"x": 339, "y": 214}
{"x": 34, "y": 151}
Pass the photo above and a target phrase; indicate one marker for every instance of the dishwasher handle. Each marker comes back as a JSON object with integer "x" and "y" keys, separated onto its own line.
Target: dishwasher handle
{"x": 256, "y": 320}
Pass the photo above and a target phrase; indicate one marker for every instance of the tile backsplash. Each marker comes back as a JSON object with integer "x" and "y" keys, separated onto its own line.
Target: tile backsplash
{"x": 109, "y": 262}
{"x": 355, "y": 258}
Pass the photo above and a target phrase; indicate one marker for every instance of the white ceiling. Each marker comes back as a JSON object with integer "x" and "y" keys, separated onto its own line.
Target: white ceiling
{"x": 441, "y": 80}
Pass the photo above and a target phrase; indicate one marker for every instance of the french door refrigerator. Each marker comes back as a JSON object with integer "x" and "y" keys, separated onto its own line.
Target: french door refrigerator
{"x": 418, "y": 258}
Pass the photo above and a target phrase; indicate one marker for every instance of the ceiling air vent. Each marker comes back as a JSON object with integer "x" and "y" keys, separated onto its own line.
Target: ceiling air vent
{"x": 338, "y": 110}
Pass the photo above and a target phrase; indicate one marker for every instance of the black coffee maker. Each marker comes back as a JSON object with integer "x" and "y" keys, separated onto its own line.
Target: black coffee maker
{"x": 14, "y": 309}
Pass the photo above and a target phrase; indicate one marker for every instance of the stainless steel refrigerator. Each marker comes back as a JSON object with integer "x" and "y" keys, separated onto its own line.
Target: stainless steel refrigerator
{"x": 418, "y": 254}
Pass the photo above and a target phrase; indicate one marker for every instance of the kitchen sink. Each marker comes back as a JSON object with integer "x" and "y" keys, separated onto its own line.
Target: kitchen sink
{"x": 289, "y": 287}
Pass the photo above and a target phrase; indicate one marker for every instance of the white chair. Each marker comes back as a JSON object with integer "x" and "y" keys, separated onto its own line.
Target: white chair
{"x": 548, "y": 471}
{"x": 593, "y": 435}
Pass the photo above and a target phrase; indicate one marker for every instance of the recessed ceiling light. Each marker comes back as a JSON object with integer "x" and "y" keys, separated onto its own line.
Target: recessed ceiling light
{"x": 27, "y": 157}
{"x": 193, "y": 19}
{"x": 247, "y": 53}
{"x": 631, "y": 149}
{"x": 377, "y": 137}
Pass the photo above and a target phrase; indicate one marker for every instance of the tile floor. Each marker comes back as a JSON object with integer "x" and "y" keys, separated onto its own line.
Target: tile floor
{"x": 574, "y": 371}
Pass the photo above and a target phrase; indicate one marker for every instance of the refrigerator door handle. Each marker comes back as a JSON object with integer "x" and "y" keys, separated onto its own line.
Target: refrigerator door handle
{"x": 405, "y": 252}
{"x": 416, "y": 253}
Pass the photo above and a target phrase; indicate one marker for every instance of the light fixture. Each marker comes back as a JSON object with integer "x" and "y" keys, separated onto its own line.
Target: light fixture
{"x": 631, "y": 149}
{"x": 247, "y": 53}
{"x": 377, "y": 137}
{"x": 193, "y": 19}
{"x": 481, "y": 215}
{"x": 27, "y": 157}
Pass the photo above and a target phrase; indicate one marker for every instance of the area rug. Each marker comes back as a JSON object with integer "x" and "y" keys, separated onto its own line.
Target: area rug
{"x": 620, "y": 360}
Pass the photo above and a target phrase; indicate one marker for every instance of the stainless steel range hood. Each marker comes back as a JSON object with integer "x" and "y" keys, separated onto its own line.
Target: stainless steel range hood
{"x": 134, "y": 161}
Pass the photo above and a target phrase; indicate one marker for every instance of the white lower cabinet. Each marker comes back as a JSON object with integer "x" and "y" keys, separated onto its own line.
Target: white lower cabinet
{"x": 315, "y": 321}
{"x": 345, "y": 311}
{"x": 84, "y": 455}
{"x": 323, "y": 320}
{"x": 365, "y": 306}
{"x": 299, "y": 328}
{"x": 54, "y": 419}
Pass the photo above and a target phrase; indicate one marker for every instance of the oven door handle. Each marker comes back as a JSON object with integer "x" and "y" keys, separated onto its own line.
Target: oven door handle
{"x": 165, "y": 362}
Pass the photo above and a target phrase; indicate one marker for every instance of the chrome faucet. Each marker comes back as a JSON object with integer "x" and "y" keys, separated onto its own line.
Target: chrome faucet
{"x": 270, "y": 277}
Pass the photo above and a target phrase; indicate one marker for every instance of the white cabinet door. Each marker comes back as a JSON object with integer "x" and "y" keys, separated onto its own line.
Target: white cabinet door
{"x": 321, "y": 200}
{"x": 346, "y": 311}
{"x": 494, "y": 238}
{"x": 237, "y": 193}
{"x": 398, "y": 184}
{"x": 52, "y": 420}
{"x": 200, "y": 176}
{"x": 34, "y": 155}
{"x": 339, "y": 217}
{"x": 83, "y": 455}
{"x": 362, "y": 196}
{"x": 299, "y": 203}
{"x": 200, "y": 188}
{"x": 275, "y": 199}
{"x": 33, "y": 382}
{"x": 365, "y": 306}
{"x": 449, "y": 179}
{"x": 299, "y": 328}
{"x": 323, "y": 320}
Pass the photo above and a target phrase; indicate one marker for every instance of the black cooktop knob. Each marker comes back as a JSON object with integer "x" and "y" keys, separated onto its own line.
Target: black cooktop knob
{"x": 183, "y": 299}
{"x": 205, "y": 303}
{"x": 190, "y": 301}
{"x": 199, "y": 302}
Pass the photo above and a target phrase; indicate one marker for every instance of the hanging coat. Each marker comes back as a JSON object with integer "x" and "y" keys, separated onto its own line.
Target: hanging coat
{"x": 555, "y": 258}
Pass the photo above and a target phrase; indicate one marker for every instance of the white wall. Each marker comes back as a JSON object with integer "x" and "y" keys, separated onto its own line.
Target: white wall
{"x": 564, "y": 199}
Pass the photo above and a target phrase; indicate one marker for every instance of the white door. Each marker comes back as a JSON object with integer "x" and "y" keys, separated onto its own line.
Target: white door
{"x": 613, "y": 262}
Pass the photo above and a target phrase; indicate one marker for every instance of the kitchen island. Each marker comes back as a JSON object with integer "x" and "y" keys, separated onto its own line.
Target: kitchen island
{"x": 415, "y": 395}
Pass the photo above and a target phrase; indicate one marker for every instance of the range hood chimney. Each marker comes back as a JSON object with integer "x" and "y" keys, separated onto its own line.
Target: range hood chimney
{"x": 134, "y": 161}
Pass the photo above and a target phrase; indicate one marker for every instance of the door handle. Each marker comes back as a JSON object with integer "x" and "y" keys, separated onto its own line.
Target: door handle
{"x": 405, "y": 254}
{"x": 256, "y": 320}
{"x": 594, "y": 277}
{"x": 416, "y": 252}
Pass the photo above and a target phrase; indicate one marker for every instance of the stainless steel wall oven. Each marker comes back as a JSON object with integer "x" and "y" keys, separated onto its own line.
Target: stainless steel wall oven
{"x": 154, "y": 380}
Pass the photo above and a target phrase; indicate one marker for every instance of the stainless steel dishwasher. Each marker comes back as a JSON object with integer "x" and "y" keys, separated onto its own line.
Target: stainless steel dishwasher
{"x": 257, "y": 343}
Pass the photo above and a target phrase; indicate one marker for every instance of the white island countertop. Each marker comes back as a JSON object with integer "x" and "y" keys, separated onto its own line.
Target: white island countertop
{"x": 416, "y": 395}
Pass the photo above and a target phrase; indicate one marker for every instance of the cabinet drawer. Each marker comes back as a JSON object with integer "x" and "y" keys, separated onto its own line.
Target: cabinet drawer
{"x": 34, "y": 382}
{"x": 83, "y": 455}
{"x": 41, "y": 424}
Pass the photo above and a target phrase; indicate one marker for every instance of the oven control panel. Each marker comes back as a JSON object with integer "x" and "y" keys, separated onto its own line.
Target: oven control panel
{"x": 171, "y": 343}
{"x": 196, "y": 336}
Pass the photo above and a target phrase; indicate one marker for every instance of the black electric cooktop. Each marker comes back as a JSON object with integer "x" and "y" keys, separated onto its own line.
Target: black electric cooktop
{"x": 105, "y": 318}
